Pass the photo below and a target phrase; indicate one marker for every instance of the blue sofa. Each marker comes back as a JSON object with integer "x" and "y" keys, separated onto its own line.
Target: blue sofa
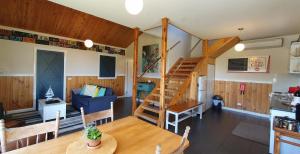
{"x": 92, "y": 104}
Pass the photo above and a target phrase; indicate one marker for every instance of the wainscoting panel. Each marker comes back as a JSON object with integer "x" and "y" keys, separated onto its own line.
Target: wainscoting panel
{"x": 117, "y": 84}
{"x": 16, "y": 92}
{"x": 255, "y": 99}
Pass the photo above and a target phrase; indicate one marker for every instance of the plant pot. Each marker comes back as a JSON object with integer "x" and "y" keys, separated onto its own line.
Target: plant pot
{"x": 93, "y": 143}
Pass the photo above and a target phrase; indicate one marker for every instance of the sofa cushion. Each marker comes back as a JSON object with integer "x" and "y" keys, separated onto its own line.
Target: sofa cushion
{"x": 101, "y": 92}
{"x": 76, "y": 91}
{"x": 89, "y": 90}
{"x": 108, "y": 92}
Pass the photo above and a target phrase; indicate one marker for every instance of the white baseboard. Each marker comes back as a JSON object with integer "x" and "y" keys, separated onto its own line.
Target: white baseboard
{"x": 247, "y": 112}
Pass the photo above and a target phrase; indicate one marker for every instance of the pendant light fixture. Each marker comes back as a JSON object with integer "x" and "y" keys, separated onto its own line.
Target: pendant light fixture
{"x": 134, "y": 7}
{"x": 88, "y": 43}
{"x": 240, "y": 46}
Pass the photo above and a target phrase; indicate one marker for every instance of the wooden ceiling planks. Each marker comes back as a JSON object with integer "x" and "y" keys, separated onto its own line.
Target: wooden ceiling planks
{"x": 48, "y": 17}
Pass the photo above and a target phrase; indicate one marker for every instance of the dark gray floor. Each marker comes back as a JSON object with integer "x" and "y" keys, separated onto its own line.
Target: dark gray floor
{"x": 212, "y": 134}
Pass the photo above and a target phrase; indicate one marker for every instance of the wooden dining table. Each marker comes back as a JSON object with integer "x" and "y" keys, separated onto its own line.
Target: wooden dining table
{"x": 132, "y": 135}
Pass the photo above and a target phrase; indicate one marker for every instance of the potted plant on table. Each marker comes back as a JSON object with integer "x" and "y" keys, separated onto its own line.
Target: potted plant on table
{"x": 93, "y": 136}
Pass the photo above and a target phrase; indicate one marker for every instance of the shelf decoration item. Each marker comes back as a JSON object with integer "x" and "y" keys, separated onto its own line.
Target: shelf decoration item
{"x": 20, "y": 36}
{"x": 93, "y": 137}
{"x": 49, "y": 94}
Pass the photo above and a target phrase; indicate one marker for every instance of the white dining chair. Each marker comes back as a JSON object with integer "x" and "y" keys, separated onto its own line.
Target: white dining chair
{"x": 180, "y": 149}
{"x": 22, "y": 135}
{"x": 102, "y": 116}
{"x": 158, "y": 149}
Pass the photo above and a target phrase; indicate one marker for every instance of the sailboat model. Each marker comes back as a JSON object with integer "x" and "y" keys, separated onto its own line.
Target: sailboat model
{"x": 49, "y": 95}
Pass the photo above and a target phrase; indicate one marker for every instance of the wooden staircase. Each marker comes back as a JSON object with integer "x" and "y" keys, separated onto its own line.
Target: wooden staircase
{"x": 177, "y": 83}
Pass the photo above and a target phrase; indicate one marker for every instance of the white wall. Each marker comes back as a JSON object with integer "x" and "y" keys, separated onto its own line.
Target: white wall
{"x": 182, "y": 49}
{"x": 279, "y": 66}
{"x": 17, "y": 58}
{"x": 144, "y": 39}
{"x": 197, "y": 51}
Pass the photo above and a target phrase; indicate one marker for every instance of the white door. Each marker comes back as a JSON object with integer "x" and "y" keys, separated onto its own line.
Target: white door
{"x": 129, "y": 81}
{"x": 210, "y": 85}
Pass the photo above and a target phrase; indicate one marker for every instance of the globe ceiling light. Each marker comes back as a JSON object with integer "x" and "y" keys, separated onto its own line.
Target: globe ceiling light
{"x": 88, "y": 43}
{"x": 134, "y": 7}
{"x": 239, "y": 47}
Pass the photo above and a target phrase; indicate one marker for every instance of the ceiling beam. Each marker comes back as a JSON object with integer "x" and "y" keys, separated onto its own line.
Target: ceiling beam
{"x": 222, "y": 45}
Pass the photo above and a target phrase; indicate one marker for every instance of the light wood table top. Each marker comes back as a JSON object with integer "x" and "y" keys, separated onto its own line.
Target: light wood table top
{"x": 108, "y": 145}
{"x": 132, "y": 134}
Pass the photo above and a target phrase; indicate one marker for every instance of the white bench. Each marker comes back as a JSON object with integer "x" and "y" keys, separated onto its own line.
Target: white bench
{"x": 188, "y": 109}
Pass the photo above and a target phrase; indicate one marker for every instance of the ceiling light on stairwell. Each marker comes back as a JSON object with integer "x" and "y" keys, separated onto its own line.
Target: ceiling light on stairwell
{"x": 134, "y": 7}
{"x": 88, "y": 43}
{"x": 239, "y": 47}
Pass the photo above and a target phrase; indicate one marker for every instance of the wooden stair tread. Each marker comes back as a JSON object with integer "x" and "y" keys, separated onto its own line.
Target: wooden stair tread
{"x": 148, "y": 117}
{"x": 177, "y": 78}
{"x": 179, "y": 107}
{"x": 189, "y": 62}
{"x": 172, "y": 84}
{"x": 153, "y": 101}
{"x": 170, "y": 90}
{"x": 189, "y": 66}
{"x": 158, "y": 95}
{"x": 151, "y": 108}
{"x": 192, "y": 59}
{"x": 184, "y": 70}
{"x": 179, "y": 74}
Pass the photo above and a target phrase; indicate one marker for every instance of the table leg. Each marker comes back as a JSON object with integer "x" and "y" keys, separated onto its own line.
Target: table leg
{"x": 200, "y": 108}
{"x": 193, "y": 113}
{"x": 167, "y": 120}
{"x": 176, "y": 123}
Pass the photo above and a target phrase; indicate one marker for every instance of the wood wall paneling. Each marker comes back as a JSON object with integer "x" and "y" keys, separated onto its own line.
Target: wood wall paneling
{"x": 16, "y": 92}
{"x": 117, "y": 84}
{"x": 48, "y": 17}
{"x": 255, "y": 99}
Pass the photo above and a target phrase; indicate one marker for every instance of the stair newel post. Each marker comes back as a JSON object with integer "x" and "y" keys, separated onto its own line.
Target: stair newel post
{"x": 194, "y": 86}
{"x": 161, "y": 120}
{"x": 135, "y": 69}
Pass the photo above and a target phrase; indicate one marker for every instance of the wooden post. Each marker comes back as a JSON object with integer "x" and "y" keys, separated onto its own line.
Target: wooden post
{"x": 135, "y": 69}
{"x": 277, "y": 143}
{"x": 194, "y": 87}
{"x": 163, "y": 69}
{"x": 205, "y": 48}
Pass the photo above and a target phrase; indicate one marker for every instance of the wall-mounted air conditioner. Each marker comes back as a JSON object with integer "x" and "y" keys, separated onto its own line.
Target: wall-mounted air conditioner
{"x": 263, "y": 43}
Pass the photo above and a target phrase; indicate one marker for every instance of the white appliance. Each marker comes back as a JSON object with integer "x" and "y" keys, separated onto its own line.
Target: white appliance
{"x": 263, "y": 43}
{"x": 202, "y": 93}
{"x": 206, "y": 88}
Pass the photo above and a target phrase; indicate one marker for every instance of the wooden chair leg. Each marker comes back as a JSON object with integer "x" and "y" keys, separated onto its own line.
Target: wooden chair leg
{"x": 277, "y": 143}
